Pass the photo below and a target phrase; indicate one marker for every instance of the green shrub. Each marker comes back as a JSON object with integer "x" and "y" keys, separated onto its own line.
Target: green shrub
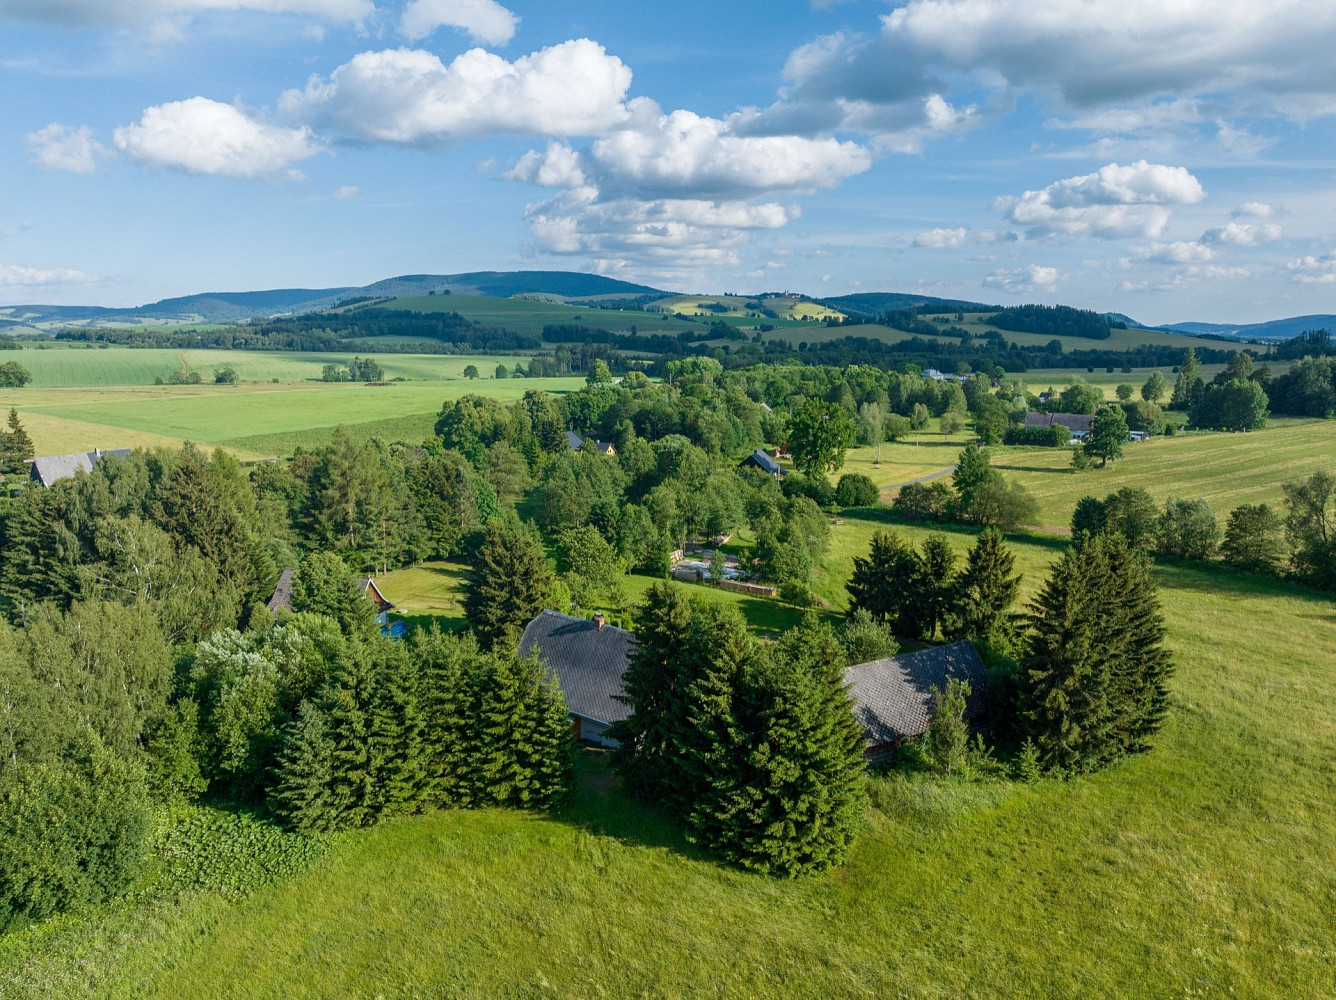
{"x": 856, "y": 490}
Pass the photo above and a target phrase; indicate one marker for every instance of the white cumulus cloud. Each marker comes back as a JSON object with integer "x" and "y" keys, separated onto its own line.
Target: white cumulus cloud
{"x": 201, "y": 136}
{"x": 1115, "y": 202}
{"x": 1031, "y": 278}
{"x": 60, "y": 147}
{"x": 410, "y": 96}
{"x": 1243, "y": 234}
{"x": 1179, "y": 252}
{"x": 485, "y": 21}
{"x": 17, "y": 276}
{"x": 347, "y": 192}
{"x": 942, "y": 239}
{"x": 1311, "y": 270}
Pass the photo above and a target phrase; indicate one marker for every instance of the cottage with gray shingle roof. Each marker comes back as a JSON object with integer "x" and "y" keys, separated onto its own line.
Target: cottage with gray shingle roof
{"x": 52, "y": 468}
{"x": 893, "y": 696}
{"x": 588, "y": 658}
{"x": 763, "y": 461}
{"x": 1078, "y": 423}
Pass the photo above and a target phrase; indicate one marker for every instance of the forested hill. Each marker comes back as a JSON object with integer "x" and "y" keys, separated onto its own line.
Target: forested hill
{"x": 1056, "y": 321}
{"x": 235, "y": 307}
{"x": 870, "y": 305}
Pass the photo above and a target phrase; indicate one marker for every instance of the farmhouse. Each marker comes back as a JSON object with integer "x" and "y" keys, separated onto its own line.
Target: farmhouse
{"x": 1078, "y": 423}
{"x": 589, "y": 659}
{"x": 893, "y": 696}
{"x": 761, "y": 460}
{"x": 575, "y": 443}
{"x": 53, "y": 468}
{"x": 282, "y": 599}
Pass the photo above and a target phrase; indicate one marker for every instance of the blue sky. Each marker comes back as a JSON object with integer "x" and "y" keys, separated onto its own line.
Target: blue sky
{"x": 1169, "y": 159}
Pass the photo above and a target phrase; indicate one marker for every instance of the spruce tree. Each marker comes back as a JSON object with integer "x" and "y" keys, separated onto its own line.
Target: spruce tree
{"x": 348, "y": 705}
{"x": 1094, "y": 684}
{"x": 15, "y": 446}
{"x": 1188, "y": 385}
{"x": 303, "y": 794}
{"x": 800, "y": 800}
{"x": 447, "y": 667}
{"x": 1064, "y": 680}
{"x": 1141, "y": 665}
{"x": 524, "y": 751}
{"x": 397, "y": 730}
{"x": 881, "y": 580}
{"x": 984, "y": 592}
{"x": 510, "y": 583}
{"x": 931, "y": 585}
{"x": 654, "y": 692}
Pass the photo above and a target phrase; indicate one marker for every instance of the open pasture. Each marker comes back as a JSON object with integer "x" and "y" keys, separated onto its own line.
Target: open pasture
{"x": 253, "y": 420}
{"x": 1226, "y": 469}
{"x": 1202, "y": 869}
{"x": 71, "y": 365}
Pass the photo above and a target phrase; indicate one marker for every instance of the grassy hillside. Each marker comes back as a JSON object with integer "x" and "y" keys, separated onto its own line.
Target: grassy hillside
{"x": 253, "y": 420}
{"x": 77, "y": 365}
{"x": 530, "y": 315}
{"x": 1201, "y": 869}
{"x": 1226, "y": 469}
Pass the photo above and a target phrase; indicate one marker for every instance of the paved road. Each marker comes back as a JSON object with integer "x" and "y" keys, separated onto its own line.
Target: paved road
{"x": 920, "y": 479}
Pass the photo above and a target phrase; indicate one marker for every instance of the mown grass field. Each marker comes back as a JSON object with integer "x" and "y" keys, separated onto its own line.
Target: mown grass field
{"x": 1202, "y": 869}
{"x": 1226, "y": 469}
{"x": 255, "y": 419}
{"x": 70, "y": 365}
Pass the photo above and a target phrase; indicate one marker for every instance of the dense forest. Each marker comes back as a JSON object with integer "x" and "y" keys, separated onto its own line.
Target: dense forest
{"x": 1055, "y": 321}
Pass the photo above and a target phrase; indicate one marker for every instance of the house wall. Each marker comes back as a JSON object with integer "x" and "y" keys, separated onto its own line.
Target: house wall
{"x": 592, "y": 732}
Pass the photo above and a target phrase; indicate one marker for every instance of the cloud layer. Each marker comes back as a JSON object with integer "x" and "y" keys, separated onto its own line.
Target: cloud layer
{"x": 410, "y": 96}
{"x": 485, "y": 21}
{"x": 59, "y": 147}
{"x": 1114, "y": 202}
{"x": 201, "y": 136}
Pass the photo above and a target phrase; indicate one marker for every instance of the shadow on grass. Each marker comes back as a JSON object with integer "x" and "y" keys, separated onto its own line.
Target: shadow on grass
{"x": 603, "y": 808}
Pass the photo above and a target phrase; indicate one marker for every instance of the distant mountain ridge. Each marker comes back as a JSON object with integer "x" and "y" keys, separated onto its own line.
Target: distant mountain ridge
{"x": 1276, "y": 329}
{"x": 234, "y": 307}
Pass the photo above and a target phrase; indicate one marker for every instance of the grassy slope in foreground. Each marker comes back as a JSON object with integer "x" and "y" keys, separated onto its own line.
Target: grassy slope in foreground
{"x": 1200, "y": 869}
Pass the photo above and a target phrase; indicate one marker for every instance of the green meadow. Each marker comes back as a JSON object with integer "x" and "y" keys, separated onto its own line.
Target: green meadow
{"x": 84, "y": 399}
{"x": 1201, "y": 869}
{"x": 1226, "y": 469}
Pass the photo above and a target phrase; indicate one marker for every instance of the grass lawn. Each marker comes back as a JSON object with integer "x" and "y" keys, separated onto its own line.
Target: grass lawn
{"x": 1226, "y": 469}
{"x": 1204, "y": 868}
{"x": 62, "y": 365}
{"x": 253, "y": 420}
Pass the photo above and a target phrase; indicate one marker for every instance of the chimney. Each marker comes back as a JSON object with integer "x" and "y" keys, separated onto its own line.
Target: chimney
{"x": 598, "y": 619}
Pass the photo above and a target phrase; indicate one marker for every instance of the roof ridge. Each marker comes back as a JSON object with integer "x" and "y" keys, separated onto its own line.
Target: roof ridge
{"x": 914, "y": 652}
{"x": 577, "y": 618}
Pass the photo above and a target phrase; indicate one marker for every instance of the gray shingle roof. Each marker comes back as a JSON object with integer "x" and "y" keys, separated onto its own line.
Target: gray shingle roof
{"x": 1072, "y": 421}
{"x": 52, "y": 468}
{"x": 764, "y": 462}
{"x": 282, "y": 593}
{"x": 573, "y": 441}
{"x": 893, "y": 695}
{"x": 588, "y": 661}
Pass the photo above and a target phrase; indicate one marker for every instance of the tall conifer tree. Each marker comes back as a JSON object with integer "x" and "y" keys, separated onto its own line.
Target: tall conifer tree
{"x": 448, "y": 665}
{"x": 348, "y": 704}
{"x": 655, "y": 693}
{"x": 303, "y": 795}
{"x": 510, "y": 583}
{"x": 984, "y": 592}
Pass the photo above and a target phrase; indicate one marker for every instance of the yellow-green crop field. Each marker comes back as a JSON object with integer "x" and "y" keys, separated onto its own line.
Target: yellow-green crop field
{"x": 84, "y": 399}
